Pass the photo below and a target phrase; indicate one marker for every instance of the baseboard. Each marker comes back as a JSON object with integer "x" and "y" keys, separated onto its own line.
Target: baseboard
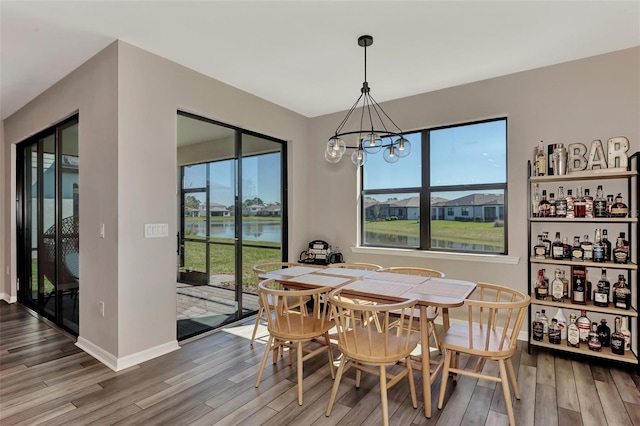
{"x": 8, "y": 298}
{"x": 117, "y": 364}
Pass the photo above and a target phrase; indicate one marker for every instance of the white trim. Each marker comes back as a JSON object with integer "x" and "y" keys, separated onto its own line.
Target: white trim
{"x": 8, "y": 298}
{"x": 469, "y": 257}
{"x": 117, "y": 364}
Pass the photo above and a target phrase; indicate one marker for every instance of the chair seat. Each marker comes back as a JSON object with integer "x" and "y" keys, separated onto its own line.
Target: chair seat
{"x": 293, "y": 328}
{"x": 496, "y": 346}
{"x": 380, "y": 351}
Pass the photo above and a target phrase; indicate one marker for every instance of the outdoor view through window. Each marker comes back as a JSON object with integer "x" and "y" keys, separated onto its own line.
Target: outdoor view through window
{"x": 448, "y": 194}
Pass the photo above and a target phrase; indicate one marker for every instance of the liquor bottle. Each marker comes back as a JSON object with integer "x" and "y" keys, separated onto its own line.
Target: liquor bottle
{"x": 588, "y": 202}
{"x": 584, "y": 326}
{"x": 617, "y": 338}
{"x": 573, "y": 333}
{"x": 606, "y": 244}
{"x": 566, "y": 248}
{"x": 594, "y": 340}
{"x": 599, "y": 204}
{"x": 621, "y": 294}
{"x": 565, "y": 285}
{"x": 562, "y": 323}
{"x": 537, "y": 329}
{"x": 604, "y": 332}
{"x": 618, "y": 208}
{"x": 587, "y": 289}
{"x": 539, "y": 250}
{"x": 570, "y": 201}
{"x": 598, "y": 248}
{"x": 554, "y": 332}
{"x": 621, "y": 252}
{"x": 541, "y": 160}
{"x": 552, "y": 205}
{"x": 609, "y": 204}
{"x": 601, "y": 296}
{"x": 579, "y": 204}
{"x": 577, "y": 252}
{"x": 547, "y": 244}
{"x": 542, "y": 288}
{"x": 544, "y": 319}
{"x": 557, "y": 248}
{"x": 561, "y": 203}
{"x": 544, "y": 206}
{"x": 578, "y": 291}
{"x": 557, "y": 287}
{"x": 587, "y": 249}
{"x": 535, "y": 201}
{"x": 626, "y": 334}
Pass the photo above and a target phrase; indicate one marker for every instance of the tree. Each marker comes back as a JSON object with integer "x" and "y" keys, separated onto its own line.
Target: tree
{"x": 191, "y": 202}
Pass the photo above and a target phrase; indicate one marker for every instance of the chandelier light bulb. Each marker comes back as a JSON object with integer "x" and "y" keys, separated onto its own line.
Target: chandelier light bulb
{"x": 390, "y": 155}
{"x": 404, "y": 147}
{"x": 336, "y": 145}
{"x": 359, "y": 157}
{"x": 332, "y": 156}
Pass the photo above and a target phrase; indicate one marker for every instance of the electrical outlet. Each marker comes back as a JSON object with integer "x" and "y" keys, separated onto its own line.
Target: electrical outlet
{"x": 101, "y": 307}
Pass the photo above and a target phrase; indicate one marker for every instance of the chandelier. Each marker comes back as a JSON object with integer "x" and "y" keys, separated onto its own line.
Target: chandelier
{"x": 377, "y": 131}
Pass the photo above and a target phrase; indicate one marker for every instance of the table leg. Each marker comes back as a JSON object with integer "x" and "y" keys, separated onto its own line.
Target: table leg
{"x": 445, "y": 318}
{"x": 426, "y": 361}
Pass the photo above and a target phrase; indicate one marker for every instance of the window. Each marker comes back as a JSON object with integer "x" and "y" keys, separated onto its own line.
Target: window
{"x": 454, "y": 179}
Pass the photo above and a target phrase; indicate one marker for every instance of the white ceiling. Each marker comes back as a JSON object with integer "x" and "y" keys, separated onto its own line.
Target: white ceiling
{"x": 303, "y": 55}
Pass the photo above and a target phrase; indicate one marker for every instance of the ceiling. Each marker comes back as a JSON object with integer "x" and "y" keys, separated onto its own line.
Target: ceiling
{"x": 303, "y": 55}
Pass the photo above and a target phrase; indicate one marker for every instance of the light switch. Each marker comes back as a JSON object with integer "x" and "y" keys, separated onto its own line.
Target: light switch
{"x": 156, "y": 230}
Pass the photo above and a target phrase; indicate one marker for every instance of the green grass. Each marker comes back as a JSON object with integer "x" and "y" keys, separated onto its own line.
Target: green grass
{"x": 446, "y": 230}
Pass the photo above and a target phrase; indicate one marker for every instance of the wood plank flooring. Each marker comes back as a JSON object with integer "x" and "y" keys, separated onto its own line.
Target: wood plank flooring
{"x": 45, "y": 379}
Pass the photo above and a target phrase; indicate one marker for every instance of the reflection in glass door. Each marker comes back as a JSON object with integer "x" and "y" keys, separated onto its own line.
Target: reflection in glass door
{"x": 231, "y": 219}
{"x": 48, "y": 224}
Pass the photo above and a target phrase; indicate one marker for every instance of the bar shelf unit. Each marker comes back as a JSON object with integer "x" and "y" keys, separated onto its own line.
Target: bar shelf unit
{"x": 626, "y": 181}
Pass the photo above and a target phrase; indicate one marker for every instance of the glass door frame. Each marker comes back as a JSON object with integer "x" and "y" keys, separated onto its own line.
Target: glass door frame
{"x": 24, "y": 210}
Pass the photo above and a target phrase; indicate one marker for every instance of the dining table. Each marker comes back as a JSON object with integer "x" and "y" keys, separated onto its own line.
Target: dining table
{"x": 388, "y": 287}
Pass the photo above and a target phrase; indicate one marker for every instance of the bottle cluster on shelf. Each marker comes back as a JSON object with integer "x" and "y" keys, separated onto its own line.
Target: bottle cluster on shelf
{"x": 580, "y": 205}
{"x": 600, "y": 250}
{"x": 579, "y": 290}
{"x": 581, "y": 330}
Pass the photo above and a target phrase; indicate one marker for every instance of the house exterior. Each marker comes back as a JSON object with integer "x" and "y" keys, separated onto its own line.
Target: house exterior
{"x": 474, "y": 207}
{"x": 215, "y": 209}
{"x": 272, "y": 210}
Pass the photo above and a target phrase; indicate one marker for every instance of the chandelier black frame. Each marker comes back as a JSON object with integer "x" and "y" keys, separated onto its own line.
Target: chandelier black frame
{"x": 369, "y": 139}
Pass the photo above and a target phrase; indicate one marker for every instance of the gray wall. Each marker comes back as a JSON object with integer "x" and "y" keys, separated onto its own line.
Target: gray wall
{"x": 127, "y": 99}
{"x": 579, "y": 101}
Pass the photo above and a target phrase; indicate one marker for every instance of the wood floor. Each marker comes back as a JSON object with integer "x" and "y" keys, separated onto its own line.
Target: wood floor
{"x": 45, "y": 379}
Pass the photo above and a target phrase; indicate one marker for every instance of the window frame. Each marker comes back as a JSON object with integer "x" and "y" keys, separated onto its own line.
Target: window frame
{"x": 426, "y": 190}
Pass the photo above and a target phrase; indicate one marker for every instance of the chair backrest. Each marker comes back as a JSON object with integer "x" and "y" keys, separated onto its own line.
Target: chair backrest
{"x": 410, "y": 270}
{"x": 357, "y": 265}
{"x": 287, "y": 319}
{"x": 362, "y": 338}
{"x": 261, "y": 268}
{"x": 495, "y": 314}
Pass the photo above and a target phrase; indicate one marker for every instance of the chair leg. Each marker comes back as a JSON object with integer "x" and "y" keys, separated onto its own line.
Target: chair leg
{"x": 336, "y": 385}
{"x": 412, "y": 384}
{"x": 267, "y": 349}
{"x": 444, "y": 378}
{"x": 512, "y": 376}
{"x": 507, "y": 394}
{"x": 383, "y": 396}
{"x": 330, "y": 353}
{"x": 255, "y": 326}
{"x": 432, "y": 330}
{"x": 299, "y": 350}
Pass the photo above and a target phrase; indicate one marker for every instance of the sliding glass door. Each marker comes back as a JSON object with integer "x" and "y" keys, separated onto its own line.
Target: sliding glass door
{"x": 48, "y": 232}
{"x": 231, "y": 209}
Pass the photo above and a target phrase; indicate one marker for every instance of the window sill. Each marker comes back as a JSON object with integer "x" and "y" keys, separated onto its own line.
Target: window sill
{"x": 467, "y": 257}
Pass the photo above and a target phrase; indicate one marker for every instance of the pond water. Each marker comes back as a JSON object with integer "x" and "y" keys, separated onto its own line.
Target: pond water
{"x": 251, "y": 230}
{"x": 413, "y": 242}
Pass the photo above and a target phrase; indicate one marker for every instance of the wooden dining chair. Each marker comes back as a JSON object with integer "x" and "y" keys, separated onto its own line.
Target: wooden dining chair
{"x": 368, "y": 349}
{"x": 261, "y": 269}
{"x": 432, "y": 312}
{"x": 357, "y": 265}
{"x": 494, "y": 318}
{"x": 296, "y": 328}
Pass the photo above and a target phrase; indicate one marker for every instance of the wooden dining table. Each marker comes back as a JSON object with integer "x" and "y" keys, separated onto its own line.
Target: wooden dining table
{"x": 388, "y": 287}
